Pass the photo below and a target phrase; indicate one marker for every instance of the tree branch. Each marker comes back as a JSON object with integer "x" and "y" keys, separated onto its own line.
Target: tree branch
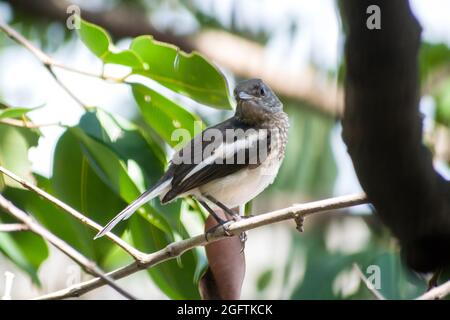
{"x": 86, "y": 264}
{"x": 382, "y": 128}
{"x": 25, "y": 124}
{"x": 438, "y": 292}
{"x": 306, "y": 85}
{"x": 13, "y": 227}
{"x": 176, "y": 249}
{"x": 49, "y": 63}
{"x": 136, "y": 254}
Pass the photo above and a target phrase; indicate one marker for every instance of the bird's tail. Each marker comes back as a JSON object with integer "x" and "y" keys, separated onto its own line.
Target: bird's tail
{"x": 148, "y": 195}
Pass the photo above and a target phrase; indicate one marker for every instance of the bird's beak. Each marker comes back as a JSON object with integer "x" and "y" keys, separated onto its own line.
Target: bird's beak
{"x": 244, "y": 96}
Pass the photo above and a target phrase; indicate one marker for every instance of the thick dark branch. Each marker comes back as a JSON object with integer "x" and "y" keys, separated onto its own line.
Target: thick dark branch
{"x": 383, "y": 131}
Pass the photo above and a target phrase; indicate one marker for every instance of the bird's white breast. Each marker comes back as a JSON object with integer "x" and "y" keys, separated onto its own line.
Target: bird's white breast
{"x": 239, "y": 188}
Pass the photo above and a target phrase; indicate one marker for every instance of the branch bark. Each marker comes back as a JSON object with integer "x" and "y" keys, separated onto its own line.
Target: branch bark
{"x": 382, "y": 128}
{"x": 13, "y": 227}
{"x": 136, "y": 254}
{"x": 86, "y": 264}
{"x": 436, "y": 293}
{"x": 176, "y": 249}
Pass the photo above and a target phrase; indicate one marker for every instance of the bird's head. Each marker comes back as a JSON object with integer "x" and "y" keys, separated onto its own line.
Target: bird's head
{"x": 255, "y": 101}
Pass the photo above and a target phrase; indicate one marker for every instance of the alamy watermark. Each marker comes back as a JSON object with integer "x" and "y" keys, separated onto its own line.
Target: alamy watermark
{"x": 73, "y": 21}
{"x": 373, "y": 22}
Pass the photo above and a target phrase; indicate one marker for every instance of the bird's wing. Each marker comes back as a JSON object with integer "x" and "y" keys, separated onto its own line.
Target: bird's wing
{"x": 205, "y": 158}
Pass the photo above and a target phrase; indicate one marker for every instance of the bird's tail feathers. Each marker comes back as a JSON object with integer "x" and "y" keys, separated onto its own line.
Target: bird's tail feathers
{"x": 148, "y": 195}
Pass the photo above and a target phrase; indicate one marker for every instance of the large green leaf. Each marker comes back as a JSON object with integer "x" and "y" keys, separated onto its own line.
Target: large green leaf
{"x": 189, "y": 74}
{"x": 127, "y": 141}
{"x": 75, "y": 182}
{"x": 132, "y": 146}
{"x": 174, "y": 277}
{"x": 165, "y": 116}
{"x": 100, "y": 43}
{"x": 14, "y": 145}
{"x": 113, "y": 172}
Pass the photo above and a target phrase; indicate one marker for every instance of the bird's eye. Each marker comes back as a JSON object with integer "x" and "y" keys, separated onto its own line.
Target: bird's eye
{"x": 262, "y": 91}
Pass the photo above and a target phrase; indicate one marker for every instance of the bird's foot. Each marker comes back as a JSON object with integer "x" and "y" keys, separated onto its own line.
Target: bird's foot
{"x": 299, "y": 221}
{"x": 224, "y": 224}
{"x": 243, "y": 235}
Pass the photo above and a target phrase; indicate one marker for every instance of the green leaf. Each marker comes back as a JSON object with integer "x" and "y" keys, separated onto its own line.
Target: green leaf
{"x": 132, "y": 146}
{"x": 264, "y": 280}
{"x": 165, "y": 116}
{"x": 174, "y": 277}
{"x": 114, "y": 171}
{"x": 95, "y": 38}
{"x": 14, "y": 145}
{"x": 188, "y": 74}
{"x": 127, "y": 141}
{"x": 126, "y": 58}
{"x": 75, "y": 182}
{"x": 100, "y": 43}
{"x": 14, "y": 112}
{"x": 442, "y": 97}
{"x": 432, "y": 57}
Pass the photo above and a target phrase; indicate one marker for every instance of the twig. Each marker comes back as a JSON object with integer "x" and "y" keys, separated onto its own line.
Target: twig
{"x": 136, "y": 254}
{"x": 49, "y": 62}
{"x": 23, "y": 124}
{"x": 13, "y": 227}
{"x": 436, "y": 293}
{"x": 368, "y": 284}
{"x": 86, "y": 264}
{"x": 176, "y": 249}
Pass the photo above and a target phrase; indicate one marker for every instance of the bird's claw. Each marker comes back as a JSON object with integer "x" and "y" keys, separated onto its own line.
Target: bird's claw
{"x": 224, "y": 224}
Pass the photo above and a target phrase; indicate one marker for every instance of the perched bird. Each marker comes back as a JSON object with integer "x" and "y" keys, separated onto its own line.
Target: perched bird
{"x": 228, "y": 164}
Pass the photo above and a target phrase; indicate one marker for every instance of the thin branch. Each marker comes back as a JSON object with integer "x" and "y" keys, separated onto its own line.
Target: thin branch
{"x": 436, "y": 293}
{"x": 176, "y": 249}
{"x": 13, "y": 227}
{"x": 377, "y": 294}
{"x": 136, "y": 254}
{"x": 24, "y": 124}
{"x": 88, "y": 265}
{"x": 49, "y": 62}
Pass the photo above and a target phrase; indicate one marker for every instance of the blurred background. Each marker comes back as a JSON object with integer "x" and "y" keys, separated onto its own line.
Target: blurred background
{"x": 296, "y": 46}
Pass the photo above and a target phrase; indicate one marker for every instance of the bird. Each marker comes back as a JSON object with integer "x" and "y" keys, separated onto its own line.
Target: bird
{"x": 229, "y": 164}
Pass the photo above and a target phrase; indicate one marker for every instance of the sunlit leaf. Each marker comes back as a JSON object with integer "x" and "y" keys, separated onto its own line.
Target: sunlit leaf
{"x": 100, "y": 43}
{"x": 14, "y": 153}
{"x": 174, "y": 277}
{"x": 14, "y": 112}
{"x": 189, "y": 74}
{"x": 76, "y": 183}
{"x": 95, "y": 38}
{"x": 165, "y": 116}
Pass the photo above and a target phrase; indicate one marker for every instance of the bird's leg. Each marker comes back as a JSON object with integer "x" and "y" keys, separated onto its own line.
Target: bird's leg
{"x": 235, "y": 216}
{"x": 227, "y": 210}
{"x": 433, "y": 282}
{"x": 218, "y": 219}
